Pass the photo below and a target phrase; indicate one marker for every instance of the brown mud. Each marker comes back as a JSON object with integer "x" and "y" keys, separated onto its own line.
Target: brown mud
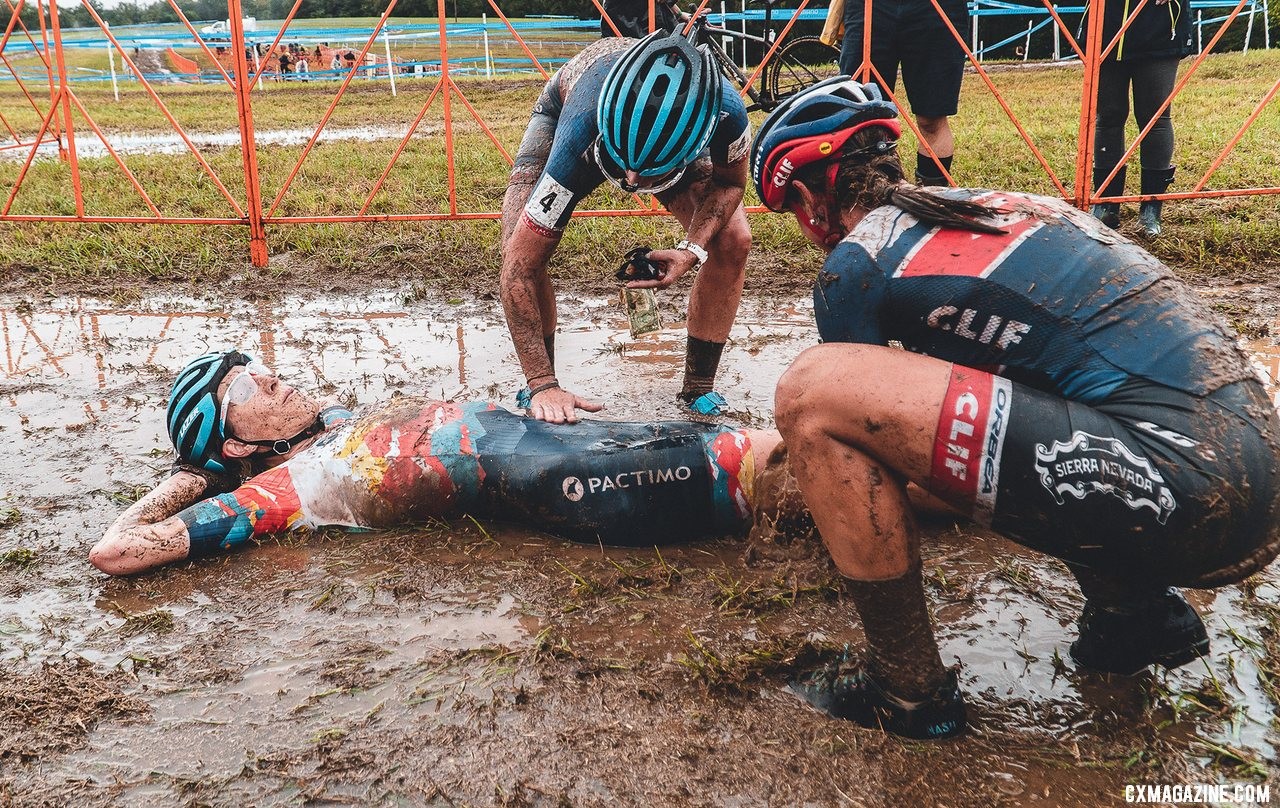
{"x": 475, "y": 663}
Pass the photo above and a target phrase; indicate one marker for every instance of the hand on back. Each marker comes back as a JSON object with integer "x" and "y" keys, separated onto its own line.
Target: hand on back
{"x": 558, "y": 406}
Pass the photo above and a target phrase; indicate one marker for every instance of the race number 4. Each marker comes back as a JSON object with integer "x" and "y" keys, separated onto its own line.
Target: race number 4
{"x": 548, "y": 203}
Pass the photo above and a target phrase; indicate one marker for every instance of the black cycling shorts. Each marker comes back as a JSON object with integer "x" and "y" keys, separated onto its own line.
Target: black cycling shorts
{"x": 1157, "y": 483}
{"x": 911, "y": 33}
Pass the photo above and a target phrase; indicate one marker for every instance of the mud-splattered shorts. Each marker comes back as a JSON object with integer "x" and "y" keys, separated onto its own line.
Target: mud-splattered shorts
{"x": 1156, "y": 483}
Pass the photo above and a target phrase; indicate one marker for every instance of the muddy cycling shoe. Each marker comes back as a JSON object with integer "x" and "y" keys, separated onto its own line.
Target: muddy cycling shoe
{"x": 524, "y": 399}
{"x": 855, "y": 694}
{"x": 707, "y": 404}
{"x": 1164, "y": 630}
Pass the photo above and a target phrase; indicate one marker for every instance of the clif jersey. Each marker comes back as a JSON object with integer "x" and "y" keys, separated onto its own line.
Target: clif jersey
{"x": 1057, "y": 302}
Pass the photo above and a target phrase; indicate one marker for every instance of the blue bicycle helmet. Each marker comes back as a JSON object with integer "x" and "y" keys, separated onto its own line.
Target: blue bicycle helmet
{"x": 192, "y": 415}
{"x": 811, "y": 126}
{"x": 659, "y": 105}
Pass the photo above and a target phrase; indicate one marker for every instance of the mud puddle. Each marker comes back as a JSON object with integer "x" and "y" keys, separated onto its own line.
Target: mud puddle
{"x": 88, "y": 145}
{"x": 483, "y": 664}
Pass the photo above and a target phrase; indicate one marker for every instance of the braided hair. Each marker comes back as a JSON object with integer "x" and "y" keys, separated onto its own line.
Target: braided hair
{"x": 870, "y": 175}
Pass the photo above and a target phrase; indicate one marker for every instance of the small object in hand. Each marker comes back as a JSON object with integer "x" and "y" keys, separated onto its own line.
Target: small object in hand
{"x": 642, "y": 310}
{"x": 636, "y": 266}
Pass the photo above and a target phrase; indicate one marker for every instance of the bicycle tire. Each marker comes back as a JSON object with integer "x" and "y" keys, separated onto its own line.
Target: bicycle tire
{"x": 801, "y": 62}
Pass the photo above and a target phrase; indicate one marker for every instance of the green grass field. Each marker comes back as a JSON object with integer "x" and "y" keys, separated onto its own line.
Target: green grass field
{"x": 1204, "y": 237}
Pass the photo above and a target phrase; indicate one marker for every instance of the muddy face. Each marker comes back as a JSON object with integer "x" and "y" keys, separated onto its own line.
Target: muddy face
{"x": 479, "y": 663}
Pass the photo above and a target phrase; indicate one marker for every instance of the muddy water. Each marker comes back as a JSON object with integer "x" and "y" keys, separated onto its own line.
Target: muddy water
{"x": 477, "y": 663}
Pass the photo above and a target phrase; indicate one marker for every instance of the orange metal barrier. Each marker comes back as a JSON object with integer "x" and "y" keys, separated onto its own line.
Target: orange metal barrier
{"x": 1091, "y": 55}
{"x": 257, "y": 207}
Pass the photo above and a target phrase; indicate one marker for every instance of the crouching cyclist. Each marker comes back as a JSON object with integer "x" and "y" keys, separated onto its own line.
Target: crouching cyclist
{"x": 650, "y": 116}
{"x": 1059, "y": 384}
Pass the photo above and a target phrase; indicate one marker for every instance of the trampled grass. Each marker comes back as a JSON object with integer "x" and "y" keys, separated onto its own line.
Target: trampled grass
{"x": 1203, "y": 237}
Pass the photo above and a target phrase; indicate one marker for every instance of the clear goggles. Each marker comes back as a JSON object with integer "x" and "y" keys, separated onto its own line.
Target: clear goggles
{"x": 647, "y": 185}
{"x": 242, "y": 388}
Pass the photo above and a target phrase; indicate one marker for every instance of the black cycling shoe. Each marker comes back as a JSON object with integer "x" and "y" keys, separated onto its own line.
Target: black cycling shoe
{"x": 855, "y": 695}
{"x": 1164, "y": 630}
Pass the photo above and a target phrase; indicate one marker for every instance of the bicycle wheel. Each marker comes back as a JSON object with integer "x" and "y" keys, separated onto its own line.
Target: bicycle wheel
{"x": 801, "y": 62}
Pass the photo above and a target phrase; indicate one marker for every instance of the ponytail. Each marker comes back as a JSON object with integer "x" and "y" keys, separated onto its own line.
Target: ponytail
{"x": 869, "y": 175}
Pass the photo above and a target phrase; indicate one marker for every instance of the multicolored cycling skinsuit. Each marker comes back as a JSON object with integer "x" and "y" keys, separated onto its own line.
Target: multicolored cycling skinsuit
{"x": 562, "y": 132}
{"x": 1096, "y": 411}
{"x": 616, "y": 483}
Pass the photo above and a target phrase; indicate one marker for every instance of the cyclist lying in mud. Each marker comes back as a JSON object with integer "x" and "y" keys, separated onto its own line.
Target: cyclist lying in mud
{"x": 1059, "y": 384}
{"x": 257, "y": 456}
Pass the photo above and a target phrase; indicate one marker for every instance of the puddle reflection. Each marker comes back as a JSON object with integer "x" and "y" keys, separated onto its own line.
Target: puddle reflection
{"x": 71, "y": 363}
{"x": 89, "y": 146}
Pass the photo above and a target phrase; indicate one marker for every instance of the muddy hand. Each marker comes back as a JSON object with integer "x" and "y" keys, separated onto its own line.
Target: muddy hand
{"x": 557, "y": 406}
{"x": 671, "y": 265}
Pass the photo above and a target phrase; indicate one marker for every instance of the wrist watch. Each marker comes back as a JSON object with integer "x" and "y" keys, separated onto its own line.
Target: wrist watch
{"x": 698, "y": 252}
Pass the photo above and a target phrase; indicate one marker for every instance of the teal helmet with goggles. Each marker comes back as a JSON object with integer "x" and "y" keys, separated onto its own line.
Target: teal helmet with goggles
{"x": 197, "y": 418}
{"x": 813, "y": 126}
{"x": 194, "y": 416}
{"x": 658, "y": 107}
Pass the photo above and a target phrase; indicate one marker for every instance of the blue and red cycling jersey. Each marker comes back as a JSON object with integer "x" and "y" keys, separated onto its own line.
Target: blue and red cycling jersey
{"x": 1058, "y": 302}
{"x": 565, "y": 115}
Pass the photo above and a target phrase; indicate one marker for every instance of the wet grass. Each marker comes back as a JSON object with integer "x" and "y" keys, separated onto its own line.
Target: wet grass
{"x": 1242, "y": 319}
{"x": 1267, "y": 658}
{"x": 125, "y": 496}
{"x": 157, "y": 621}
{"x": 1203, "y": 238}
{"x": 19, "y": 558}
{"x": 54, "y": 709}
{"x": 744, "y": 596}
{"x": 736, "y": 667}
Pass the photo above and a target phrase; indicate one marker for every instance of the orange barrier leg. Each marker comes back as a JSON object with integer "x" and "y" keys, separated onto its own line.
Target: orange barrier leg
{"x": 248, "y": 142}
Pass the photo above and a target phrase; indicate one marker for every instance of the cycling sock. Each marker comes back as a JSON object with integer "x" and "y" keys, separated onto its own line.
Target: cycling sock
{"x": 903, "y": 651}
{"x": 927, "y": 172}
{"x": 701, "y": 361}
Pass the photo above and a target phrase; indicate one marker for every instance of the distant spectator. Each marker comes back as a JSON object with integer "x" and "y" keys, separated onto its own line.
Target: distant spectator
{"x": 1146, "y": 57}
{"x": 336, "y": 62}
{"x": 910, "y": 33}
{"x": 632, "y": 17}
{"x": 285, "y": 63}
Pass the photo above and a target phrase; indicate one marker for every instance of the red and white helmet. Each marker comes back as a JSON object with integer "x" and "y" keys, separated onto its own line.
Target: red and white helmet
{"x": 812, "y": 126}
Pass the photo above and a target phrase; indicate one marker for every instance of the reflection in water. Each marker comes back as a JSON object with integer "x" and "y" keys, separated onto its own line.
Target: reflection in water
{"x": 70, "y": 361}
{"x": 89, "y": 146}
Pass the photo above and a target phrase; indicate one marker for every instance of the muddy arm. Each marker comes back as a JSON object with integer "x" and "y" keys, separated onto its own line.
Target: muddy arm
{"x": 719, "y": 195}
{"x": 148, "y": 534}
{"x": 527, "y": 298}
{"x": 717, "y": 198}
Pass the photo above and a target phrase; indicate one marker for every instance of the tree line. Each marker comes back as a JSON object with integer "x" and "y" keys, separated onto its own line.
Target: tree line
{"x": 74, "y": 15}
